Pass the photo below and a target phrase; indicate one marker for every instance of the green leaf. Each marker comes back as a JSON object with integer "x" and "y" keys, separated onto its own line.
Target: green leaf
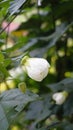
{"x": 38, "y": 111}
{"x": 68, "y": 106}
{"x": 3, "y": 119}
{"x": 4, "y": 70}
{"x": 11, "y": 103}
{"x": 15, "y": 5}
{"x": 4, "y": 3}
{"x": 1, "y": 57}
{"x": 7, "y": 62}
{"x": 66, "y": 84}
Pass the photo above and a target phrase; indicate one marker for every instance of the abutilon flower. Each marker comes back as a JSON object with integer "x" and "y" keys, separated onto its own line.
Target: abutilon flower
{"x": 36, "y": 68}
{"x": 60, "y": 97}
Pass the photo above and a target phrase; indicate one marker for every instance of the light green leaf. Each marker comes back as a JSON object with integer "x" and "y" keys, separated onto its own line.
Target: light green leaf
{"x": 1, "y": 57}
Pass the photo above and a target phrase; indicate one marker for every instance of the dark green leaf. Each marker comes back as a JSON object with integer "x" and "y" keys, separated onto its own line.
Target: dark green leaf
{"x": 13, "y": 100}
{"x": 66, "y": 84}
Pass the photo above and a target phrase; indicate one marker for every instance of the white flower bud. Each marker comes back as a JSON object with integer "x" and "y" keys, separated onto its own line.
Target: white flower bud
{"x": 36, "y": 68}
{"x": 60, "y": 97}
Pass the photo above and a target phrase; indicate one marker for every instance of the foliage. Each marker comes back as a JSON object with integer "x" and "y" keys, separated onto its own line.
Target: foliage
{"x": 42, "y": 28}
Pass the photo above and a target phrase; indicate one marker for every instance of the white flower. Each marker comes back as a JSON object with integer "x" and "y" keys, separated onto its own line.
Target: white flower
{"x": 36, "y": 68}
{"x": 39, "y": 2}
{"x": 60, "y": 97}
{"x": 16, "y": 72}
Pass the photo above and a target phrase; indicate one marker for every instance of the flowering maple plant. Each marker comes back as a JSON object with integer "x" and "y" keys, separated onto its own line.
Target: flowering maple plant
{"x": 60, "y": 97}
{"x": 36, "y": 68}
